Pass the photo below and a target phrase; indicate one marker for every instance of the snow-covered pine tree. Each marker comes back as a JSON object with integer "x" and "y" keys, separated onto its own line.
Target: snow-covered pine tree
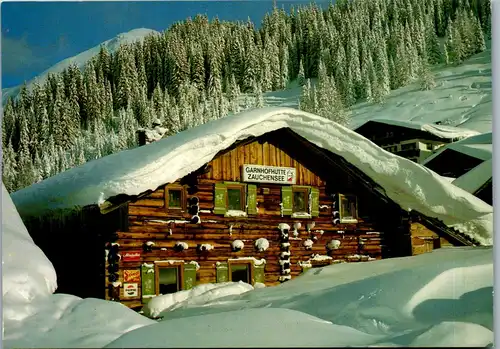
{"x": 233, "y": 94}
{"x": 301, "y": 78}
{"x": 478, "y": 36}
{"x": 284, "y": 76}
{"x": 9, "y": 168}
{"x": 454, "y": 48}
{"x": 306, "y": 98}
{"x": 25, "y": 174}
{"x": 433, "y": 48}
{"x": 258, "y": 95}
{"x": 426, "y": 78}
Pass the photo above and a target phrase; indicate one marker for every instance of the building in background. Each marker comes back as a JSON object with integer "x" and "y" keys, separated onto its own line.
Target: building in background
{"x": 412, "y": 140}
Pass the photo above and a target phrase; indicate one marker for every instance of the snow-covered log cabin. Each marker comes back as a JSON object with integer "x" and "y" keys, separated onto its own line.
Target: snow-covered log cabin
{"x": 257, "y": 197}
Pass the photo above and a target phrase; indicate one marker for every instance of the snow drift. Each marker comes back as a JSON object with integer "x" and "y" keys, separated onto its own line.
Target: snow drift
{"x": 443, "y": 298}
{"x": 145, "y": 168}
{"x": 32, "y": 315}
{"x": 200, "y": 294}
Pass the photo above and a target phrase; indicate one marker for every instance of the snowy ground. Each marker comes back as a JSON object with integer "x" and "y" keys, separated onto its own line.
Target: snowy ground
{"x": 442, "y": 298}
{"x": 461, "y": 98}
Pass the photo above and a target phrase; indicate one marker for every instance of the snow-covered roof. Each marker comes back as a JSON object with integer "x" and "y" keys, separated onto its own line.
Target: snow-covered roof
{"x": 441, "y": 131}
{"x": 479, "y": 146}
{"x": 475, "y": 178}
{"x": 138, "y": 170}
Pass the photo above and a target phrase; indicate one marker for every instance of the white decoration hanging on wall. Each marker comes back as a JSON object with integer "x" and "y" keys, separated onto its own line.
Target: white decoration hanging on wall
{"x": 237, "y": 245}
{"x": 333, "y": 244}
{"x": 308, "y": 244}
{"x": 261, "y": 244}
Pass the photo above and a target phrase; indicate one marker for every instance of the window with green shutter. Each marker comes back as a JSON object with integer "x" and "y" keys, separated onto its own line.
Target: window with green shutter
{"x": 286, "y": 200}
{"x": 222, "y": 272}
{"x": 314, "y": 202}
{"x": 220, "y": 198}
{"x": 148, "y": 281}
{"x": 231, "y": 196}
{"x": 251, "y": 199}
{"x": 189, "y": 276}
{"x": 259, "y": 274}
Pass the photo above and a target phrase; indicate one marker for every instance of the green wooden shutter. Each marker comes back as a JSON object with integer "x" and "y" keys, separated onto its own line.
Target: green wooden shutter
{"x": 251, "y": 199}
{"x": 220, "y": 195}
{"x": 222, "y": 272}
{"x": 287, "y": 200}
{"x": 259, "y": 274}
{"x": 189, "y": 276}
{"x": 148, "y": 281}
{"x": 314, "y": 202}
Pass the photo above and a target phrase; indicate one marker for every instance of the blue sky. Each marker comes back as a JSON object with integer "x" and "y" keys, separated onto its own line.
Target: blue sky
{"x": 36, "y": 35}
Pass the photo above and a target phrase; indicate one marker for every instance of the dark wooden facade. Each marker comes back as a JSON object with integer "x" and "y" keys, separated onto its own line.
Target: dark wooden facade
{"x": 138, "y": 249}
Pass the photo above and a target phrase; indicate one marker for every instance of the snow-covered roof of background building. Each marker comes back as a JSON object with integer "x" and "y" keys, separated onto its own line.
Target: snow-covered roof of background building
{"x": 441, "y": 131}
{"x": 479, "y": 146}
{"x": 474, "y": 179}
{"x": 138, "y": 170}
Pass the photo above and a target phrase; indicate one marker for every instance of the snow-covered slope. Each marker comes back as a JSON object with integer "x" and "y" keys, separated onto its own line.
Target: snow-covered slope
{"x": 145, "y": 168}
{"x": 82, "y": 58}
{"x": 443, "y": 298}
{"x": 461, "y": 98}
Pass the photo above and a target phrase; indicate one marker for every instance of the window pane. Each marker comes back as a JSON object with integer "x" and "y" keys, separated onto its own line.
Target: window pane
{"x": 299, "y": 201}
{"x": 168, "y": 280}
{"x": 348, "y": 207}
{"x": 234, "y": 199}
{"x": 240, "y": 272}
{"x": 174, "y": 198}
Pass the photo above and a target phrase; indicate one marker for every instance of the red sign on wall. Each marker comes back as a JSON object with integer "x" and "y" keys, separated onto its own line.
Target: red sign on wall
{"x": 131, "y": 256}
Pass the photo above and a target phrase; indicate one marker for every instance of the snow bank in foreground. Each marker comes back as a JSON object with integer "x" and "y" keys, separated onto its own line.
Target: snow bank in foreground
{"x": 67, "y": 321}
{"x": 138, "y": 170}
{"x": 197, "y": 295}
{"x": 32, "y": 315}
{"x": 27, "y": 274}
{"x": 244, "y": 328}
{"x": 397, "y": 302}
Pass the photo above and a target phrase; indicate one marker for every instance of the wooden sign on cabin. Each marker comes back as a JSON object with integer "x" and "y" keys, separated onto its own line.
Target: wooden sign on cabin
{"x": 130, "y": 290}
{"x": 268, "y": 174}
{"x": 133, "y": 275}
{"x": 131, "y": 256}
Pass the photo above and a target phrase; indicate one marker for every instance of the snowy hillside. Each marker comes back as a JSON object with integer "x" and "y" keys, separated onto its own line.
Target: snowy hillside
{"x": 461, "y": 98}
{"x": 82, "y": 58}
{"x": 443, "y": 298}
{"x": 135, "y": 171}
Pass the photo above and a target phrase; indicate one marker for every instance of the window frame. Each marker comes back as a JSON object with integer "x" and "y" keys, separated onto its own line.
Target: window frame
{"x": 306, "y": 191}
{"x": 350, "y": 219}
{"x": 248, "y": 263}
{"x": 182, "y": 190}
{"x": 169, "y": 265}
{"x": 243, "y": 196}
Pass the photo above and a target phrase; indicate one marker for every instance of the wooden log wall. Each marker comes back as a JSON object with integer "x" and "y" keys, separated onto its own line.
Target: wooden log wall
{"x": 149, "y": 220}
{"x": 425, "y": 240}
